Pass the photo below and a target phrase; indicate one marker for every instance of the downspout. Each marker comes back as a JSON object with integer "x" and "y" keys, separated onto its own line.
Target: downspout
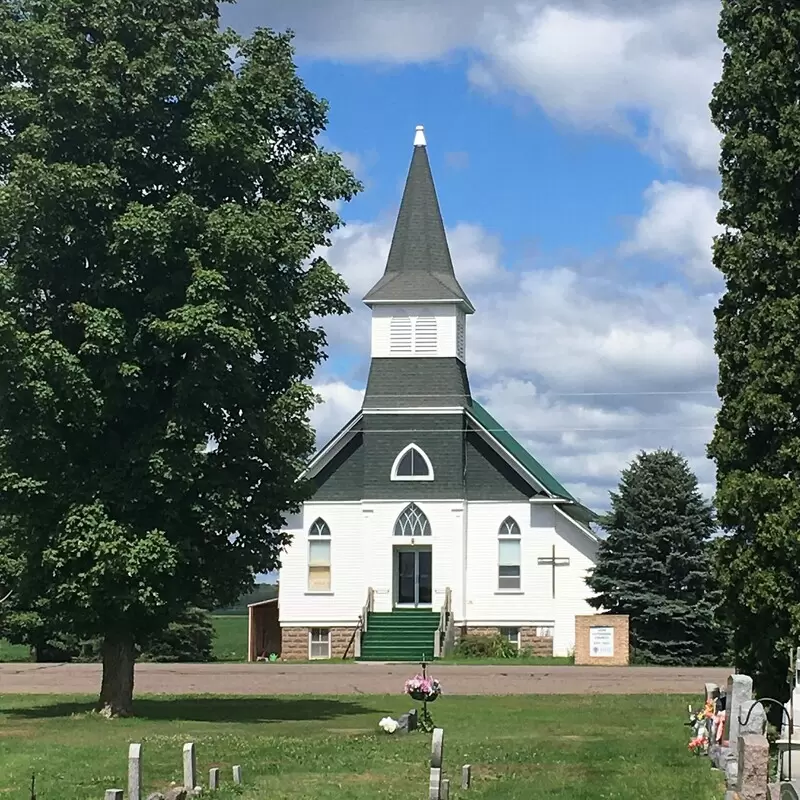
{"x": 464, "y": 537}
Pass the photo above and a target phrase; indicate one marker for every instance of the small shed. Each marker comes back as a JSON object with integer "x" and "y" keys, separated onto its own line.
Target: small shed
{"x": 263, "y": 630}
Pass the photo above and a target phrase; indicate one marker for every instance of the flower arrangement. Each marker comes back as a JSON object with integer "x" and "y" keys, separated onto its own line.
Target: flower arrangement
{"x": 702, "y": 723}
{"x": 423, "y": 689}
{"x": 388, "y": 725}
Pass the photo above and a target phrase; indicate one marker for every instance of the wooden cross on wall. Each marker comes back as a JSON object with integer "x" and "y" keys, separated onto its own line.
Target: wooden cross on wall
{"x": 554, "y": 562}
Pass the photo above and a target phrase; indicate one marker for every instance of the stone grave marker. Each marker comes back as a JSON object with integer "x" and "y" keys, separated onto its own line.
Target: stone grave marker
{"x": 752, "y": 774}
{"x": 445, "y": 790}
{"x": 135, "y": 772}
{"x": 189, "y": 766}
{"x": 114, "y": 794}
{"x": 237, "y": 774}
{"x": 466, "y": 776}
{"x": 437, "y": 754}
{"x": 740, "y": 691}
{"x": 213, "y": 779}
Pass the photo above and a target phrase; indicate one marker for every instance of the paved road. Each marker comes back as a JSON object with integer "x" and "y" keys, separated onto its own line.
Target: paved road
{"x": 343, "y": 679}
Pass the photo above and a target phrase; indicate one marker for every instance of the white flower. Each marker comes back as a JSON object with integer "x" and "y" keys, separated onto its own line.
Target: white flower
{"x": 388, "y": 724}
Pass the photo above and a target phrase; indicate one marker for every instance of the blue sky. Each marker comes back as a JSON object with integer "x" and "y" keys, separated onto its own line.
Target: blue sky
{"x": 576, "y": 169}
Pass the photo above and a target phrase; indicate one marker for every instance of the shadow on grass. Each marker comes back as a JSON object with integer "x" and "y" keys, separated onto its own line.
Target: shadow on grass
{"x": 211, "y": 709}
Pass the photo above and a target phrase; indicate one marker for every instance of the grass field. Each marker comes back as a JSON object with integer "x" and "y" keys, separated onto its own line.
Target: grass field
{"x": 230, "y": 643}
{"x": 567, "y": 748}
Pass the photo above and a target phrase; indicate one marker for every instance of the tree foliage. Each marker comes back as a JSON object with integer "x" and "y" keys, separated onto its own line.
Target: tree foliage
{"x": 160, "y": 208}
{"x": 654, "y": 564}
{"x": 756, "y": 443}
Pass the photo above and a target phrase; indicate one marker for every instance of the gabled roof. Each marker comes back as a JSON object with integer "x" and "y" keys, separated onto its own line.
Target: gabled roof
{"x": 419, "y": 267}
{"x": 510, "y": 445}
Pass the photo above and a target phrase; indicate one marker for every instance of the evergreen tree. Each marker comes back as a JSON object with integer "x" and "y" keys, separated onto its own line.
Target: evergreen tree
{"x": 654, "y": 563}
{"x": 756, "y": 443}
{"x": 160, "y": 207}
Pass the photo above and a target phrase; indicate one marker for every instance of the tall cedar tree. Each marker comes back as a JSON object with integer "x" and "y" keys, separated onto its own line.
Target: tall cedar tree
{"x": 159, "y": 213}
{"x": 756, "y": 443}
{"x": 654, "y": 564}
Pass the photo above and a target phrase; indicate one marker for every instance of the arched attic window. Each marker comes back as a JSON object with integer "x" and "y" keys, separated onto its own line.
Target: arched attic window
{"x": 412, "y": 464}
{"x": 412, "y": 522}
{"x": 319, "y": 556}
{"x": 509, "y": 561}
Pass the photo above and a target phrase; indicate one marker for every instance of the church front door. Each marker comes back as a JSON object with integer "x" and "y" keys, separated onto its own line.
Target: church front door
{"x": 414, "y": 584}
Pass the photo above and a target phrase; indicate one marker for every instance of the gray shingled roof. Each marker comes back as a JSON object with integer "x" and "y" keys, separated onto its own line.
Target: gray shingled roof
{"x": 419, "y": 266}
{"x": 417, "y": 382}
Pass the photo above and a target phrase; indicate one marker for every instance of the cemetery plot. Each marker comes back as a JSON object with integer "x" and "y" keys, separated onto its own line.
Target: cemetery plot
{"x": 331, "y": 748}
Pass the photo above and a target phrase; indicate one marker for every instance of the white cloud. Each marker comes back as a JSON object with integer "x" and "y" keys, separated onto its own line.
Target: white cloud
{"x": 584, "y": 372}
{"x": 339, "y": 403}
{"x": 621, "y": 65}
{"x": 679, "y": 224}
{"x": 610, "y": 66}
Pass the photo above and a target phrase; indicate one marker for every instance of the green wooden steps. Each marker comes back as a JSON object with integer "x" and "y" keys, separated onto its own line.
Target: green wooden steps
{"x": 400, "y": 635}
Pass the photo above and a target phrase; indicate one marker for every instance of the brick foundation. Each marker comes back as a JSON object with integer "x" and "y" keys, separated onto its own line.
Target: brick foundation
{"x": 528, "y": 640}
{"x": 294, "y": 642}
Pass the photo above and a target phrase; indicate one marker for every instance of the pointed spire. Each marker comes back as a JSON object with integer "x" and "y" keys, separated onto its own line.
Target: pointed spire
{"x": 419, "y": 266}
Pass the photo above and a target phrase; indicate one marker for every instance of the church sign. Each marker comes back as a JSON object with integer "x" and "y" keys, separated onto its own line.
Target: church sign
{"x": 601, "y": 642}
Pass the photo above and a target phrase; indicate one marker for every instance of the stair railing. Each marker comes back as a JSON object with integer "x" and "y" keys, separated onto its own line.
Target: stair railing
{"x": 445, "y": 615}
{"x": 361, "y": 626}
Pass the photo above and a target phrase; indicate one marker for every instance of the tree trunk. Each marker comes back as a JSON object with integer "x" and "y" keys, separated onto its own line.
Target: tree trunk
{"x": 116, "y": 690}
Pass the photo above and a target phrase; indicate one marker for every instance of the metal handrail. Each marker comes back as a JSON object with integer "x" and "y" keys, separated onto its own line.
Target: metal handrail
{"x": 444, "y": 620}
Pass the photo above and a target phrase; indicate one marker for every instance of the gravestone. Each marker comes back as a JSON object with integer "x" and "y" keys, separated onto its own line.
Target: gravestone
{"x": 177, "y": 793}
{"x": 711, "y": 691}
{"x": 114, "y": 794}
{"x": 408, "y": 722}
{"x": 135, "y": 772}
{"x": 753, "y": 718}
{"x": 437, "y": 754}
{"x": 739, "y": 692}
{"x": 189, "y": 766}
{"x": 752, "y": 774}
{"x": 237, "y": 774}
{"x": 466, "y": 776}
{"x": 213, "y": 779}
{"x": 785, "y": 790}
{"x": 445, "y": 791}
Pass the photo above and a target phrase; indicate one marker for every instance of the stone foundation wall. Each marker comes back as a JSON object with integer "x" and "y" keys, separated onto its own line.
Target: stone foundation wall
{"x": 528, "y": 640}
{"x": 294, "y": 643}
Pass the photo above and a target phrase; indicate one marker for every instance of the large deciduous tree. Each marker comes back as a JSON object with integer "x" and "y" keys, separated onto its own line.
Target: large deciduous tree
{"x": 162, "y": 198}
{"x": 756, "y": 443}
{"x": 654, "y": 564}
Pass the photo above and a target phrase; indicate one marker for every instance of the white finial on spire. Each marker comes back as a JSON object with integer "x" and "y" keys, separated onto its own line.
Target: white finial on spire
{"x": 419, "y": 137}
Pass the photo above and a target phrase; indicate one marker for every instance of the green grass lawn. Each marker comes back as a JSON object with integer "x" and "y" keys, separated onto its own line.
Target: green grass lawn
{"x": 567, "y": 747}
{"x": 13, "y": 652}
{"x": 230, "y": 642}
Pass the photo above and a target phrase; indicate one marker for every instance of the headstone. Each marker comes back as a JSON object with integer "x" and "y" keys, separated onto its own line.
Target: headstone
{"x": 753, "y": 772}
{"x": 237, "y": 774}
{"x": 114, "y": 794}
{"x": 753, "y": 718}
{"x": 739, "y": 692}
{"x": 189, "y": 766}
{"x": 437, "y": 754}
{"x": 437, "y": 747}
{"x": 176, "y": 793}
{"x": 435, "y": 784}
{"x": 213, "y": 779}
{"x": 712, "y": 691}
{"x": 444, "y": 793}
{"x": 408, "y": 722}
{"x": 156, "y": 796}
{"x": 466, "y": 776}
{"x": 135, "y": 772}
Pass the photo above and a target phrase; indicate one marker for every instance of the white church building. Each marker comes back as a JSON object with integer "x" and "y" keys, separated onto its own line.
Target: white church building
{"x": 429, "y": 520}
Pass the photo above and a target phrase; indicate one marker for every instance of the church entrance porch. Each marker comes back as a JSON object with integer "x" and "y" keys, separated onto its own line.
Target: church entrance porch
{"x": 413, "y": 577}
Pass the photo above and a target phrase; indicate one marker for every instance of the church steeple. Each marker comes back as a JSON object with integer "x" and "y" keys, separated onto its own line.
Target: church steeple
{"x": 419, "y": 308}
{"x": 419, "y": 267}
